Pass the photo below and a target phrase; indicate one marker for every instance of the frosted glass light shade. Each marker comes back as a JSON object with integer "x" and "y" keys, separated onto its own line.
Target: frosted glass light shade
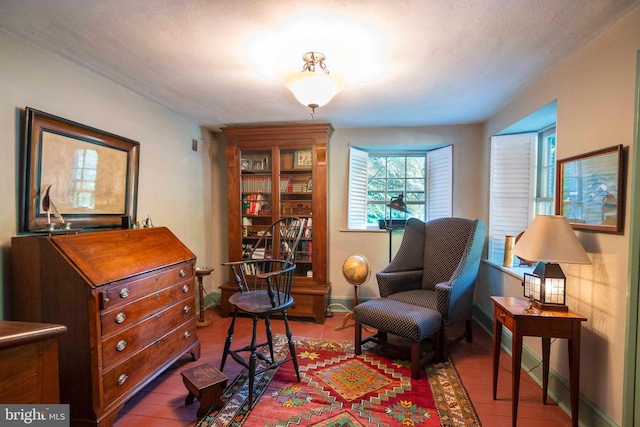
{"x": 550, "y": 238}
{"x": 313, "y": 89}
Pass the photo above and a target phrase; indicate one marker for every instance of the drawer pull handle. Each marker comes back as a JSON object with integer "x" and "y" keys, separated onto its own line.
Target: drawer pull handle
{"x": 183, "y": 272}
{"x": 120, "y": 317}
{"x": 122, "y": 378}
{"x": 502, "y": 316}
{"x": 186, "y": 309}
{"x": 185, "y": 288}
{"x": 187, "y": 334}
{"x": 122, "y": 344}
{"x": 124, "y": 292}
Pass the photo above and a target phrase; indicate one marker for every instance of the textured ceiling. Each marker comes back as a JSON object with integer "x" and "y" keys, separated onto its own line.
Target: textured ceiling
{"x": 404, "y": 62}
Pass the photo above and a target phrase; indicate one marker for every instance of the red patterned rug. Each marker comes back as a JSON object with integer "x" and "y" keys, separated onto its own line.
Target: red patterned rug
{"x": 338, "y": 388}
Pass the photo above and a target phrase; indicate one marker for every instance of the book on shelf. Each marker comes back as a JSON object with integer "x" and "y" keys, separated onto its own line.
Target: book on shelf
{"x": 284, "y": 183}
{"x": 256, "y": 183}
{"x": 305, "y": 250}
{"x": 308, "y": 229}
{"x": 252, "y": 204}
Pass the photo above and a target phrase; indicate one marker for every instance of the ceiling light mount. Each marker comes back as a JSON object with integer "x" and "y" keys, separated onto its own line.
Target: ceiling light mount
{"x": 313, "y": 58}
{"x": 314, "y": 87}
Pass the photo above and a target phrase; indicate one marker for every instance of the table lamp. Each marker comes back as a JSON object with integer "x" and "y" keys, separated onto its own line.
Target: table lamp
{"x": 549, "y": 240}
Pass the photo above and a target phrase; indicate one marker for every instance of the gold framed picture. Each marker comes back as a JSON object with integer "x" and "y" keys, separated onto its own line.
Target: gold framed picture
{"x": 303, "y": 159}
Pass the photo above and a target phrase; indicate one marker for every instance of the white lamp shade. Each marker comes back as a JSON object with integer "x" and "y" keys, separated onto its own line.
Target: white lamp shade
{"x": 313, "y": 89}
{"x": 550, "y": 238}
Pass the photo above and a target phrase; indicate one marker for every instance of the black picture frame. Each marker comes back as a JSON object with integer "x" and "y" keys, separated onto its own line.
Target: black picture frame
{"x": 91, "y": 175}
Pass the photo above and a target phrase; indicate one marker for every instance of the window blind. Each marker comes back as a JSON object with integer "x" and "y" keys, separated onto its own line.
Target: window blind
{"x": 512, "y": 189}
{"x": 440, "y": 183}
{"x": 357, "y": 202}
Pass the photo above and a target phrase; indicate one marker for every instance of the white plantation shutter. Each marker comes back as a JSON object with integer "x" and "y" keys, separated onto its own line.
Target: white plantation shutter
{"x": 512, "y": 187}
{"x": 357, "y": 216}
{"x": 440, "y": 183}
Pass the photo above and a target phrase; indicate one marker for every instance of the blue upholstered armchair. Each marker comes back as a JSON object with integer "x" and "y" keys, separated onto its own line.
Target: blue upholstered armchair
{"x": 436, "y": 267}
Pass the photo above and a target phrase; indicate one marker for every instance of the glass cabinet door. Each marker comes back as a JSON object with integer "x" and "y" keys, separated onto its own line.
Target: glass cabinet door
{"x": 295, "y": 195}
{"x": 256, "y": 188}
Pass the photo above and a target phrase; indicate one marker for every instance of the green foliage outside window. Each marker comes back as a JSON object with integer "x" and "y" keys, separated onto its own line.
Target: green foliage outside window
{"x": 389, "y": 176}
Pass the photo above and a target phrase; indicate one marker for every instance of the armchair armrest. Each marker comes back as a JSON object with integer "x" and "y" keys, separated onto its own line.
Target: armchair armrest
{"x": 398, "y": 281}
{"x": 443, "y": 298}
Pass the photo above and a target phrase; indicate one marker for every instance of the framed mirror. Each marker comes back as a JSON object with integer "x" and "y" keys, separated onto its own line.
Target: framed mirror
{"x": 75, "y": 176}
{"x": 590, "y": 190}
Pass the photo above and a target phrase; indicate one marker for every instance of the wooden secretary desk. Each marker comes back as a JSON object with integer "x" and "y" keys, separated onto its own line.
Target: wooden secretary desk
{"x": 127, "y": 299}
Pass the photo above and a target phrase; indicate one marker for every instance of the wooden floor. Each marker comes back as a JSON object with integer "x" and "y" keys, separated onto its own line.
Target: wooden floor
{"x": 161, "y": 403}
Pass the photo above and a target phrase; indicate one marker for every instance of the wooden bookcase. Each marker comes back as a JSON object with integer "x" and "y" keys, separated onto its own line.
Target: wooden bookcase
{"x": 277, "y": 171}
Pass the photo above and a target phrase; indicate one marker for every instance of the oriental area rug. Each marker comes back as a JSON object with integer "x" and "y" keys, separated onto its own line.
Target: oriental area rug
{"x": 338, "y": 388}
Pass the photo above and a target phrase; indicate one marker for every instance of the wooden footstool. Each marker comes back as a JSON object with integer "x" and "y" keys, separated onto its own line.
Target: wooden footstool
{"x": 207, "y": 384}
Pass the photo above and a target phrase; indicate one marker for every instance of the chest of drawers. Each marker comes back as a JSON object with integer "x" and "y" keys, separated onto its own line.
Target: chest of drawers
{"x": 127, "y": 298}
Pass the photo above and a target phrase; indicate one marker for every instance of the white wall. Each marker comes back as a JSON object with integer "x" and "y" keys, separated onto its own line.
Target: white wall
{"x": 174, "y": 182}
{"x": 467, "y": 201}
{"x": 595, "y": 90}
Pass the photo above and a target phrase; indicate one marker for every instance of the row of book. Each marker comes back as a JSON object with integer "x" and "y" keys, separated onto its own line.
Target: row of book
{"x": 254, "y": 204}
{"x": 262, "y": 184}
{"x": 256, "y": 183}
{"x": 305, "y": 250}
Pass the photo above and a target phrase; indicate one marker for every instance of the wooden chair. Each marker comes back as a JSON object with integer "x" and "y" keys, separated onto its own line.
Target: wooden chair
{"x": 264, "y": 282}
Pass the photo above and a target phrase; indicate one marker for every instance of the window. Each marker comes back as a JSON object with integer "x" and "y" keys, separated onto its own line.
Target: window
{"x": 423, "y": 178}
{"x": 522, "y": 184}
{"x": 545, "y": 188}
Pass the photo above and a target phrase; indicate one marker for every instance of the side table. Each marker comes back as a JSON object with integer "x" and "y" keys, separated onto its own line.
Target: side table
{"x": 202, "y": 321}
{"x": 512, "y": 313}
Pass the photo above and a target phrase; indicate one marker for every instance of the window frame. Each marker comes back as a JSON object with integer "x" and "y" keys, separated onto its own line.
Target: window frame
{"x": 436, "y": 160}
{"x": 513, "y": 183}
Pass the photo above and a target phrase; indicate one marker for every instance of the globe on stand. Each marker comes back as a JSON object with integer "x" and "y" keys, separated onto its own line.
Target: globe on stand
{"x": 357, "y": 271}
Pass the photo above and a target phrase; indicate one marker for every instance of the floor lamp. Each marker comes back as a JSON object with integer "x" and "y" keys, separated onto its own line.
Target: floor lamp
{"x": 396, "y": 203}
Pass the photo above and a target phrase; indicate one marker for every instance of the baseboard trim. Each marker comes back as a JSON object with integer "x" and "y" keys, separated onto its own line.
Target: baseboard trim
{"x": 590, "y": 415}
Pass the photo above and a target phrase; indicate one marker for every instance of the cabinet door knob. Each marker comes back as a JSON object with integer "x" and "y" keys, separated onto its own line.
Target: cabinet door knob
{"x": 122, "y": 344}
{"x": 120, "y": 317}
{"x": 185, "y": 288}
{"x": 187, "y": 334}
{"x": 186, "y": 309}
{"x": 124, "y": 292}
{"x": 122, "y": 378}
{"x": 183, "y": 272}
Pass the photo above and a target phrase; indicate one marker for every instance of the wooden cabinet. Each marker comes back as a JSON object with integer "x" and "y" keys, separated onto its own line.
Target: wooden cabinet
{"x": 273, "y": 172}
{"x": 29, "y": 362}
{"x": 127, "y": 298}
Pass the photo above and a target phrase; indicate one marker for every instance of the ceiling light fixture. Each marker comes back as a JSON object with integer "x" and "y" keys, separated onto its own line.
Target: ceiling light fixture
{"x": 314, "y": 88}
